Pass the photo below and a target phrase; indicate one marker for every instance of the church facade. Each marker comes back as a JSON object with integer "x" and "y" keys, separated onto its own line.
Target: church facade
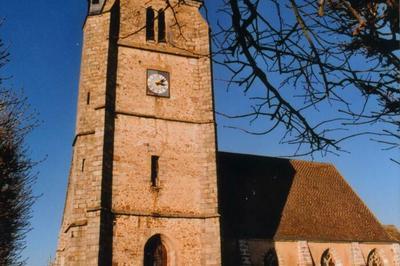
{"x": 147, "y": 185}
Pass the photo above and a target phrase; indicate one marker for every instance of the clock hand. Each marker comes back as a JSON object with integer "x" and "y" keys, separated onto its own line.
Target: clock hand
{"x": 162, "y": 82}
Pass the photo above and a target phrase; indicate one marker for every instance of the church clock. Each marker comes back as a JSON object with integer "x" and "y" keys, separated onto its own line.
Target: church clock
{"x": 158, "y": 83}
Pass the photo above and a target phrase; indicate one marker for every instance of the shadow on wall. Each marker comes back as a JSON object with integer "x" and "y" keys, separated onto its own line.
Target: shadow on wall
{"x": 253, "y": 192}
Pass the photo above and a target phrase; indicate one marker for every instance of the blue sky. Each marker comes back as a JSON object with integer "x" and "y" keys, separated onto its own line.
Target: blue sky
{"x": 44, "y": 38}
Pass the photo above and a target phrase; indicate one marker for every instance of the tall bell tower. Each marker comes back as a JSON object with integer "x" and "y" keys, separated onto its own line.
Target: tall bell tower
{"x": 142, "y": 187}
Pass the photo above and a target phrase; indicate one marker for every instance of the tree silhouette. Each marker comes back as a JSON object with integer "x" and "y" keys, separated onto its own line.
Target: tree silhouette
{"x": 16, "y": 177}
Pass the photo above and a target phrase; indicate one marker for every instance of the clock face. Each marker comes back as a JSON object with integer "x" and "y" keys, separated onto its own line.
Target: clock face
{"x": 158, "y": 83}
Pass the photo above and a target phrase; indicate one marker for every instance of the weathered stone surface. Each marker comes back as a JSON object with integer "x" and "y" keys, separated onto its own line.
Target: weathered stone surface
{"x": 119, "y": 127}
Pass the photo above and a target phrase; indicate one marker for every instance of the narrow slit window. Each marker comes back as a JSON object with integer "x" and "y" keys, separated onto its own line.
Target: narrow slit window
{"x": 88, "y": 98}
{"x": 83, "y": 165}
{"x": 149, "y": 24}
{"x": 95, "y": 2}
{"x": 154, "y": 170}
{"x": 161, "y": 26}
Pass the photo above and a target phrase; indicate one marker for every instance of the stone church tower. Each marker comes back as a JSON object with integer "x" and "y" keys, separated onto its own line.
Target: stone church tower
{"x": 143, "y": 187}
{"x": 143, "y": 184}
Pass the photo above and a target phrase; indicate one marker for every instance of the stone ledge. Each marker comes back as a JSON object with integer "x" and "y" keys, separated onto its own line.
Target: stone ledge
{"x": 160, "y": 49}
{"x": 95, "y": 209}
{"x": 76, "y": 224}
{"x": 85, "y": 133}
{"x": 156, "y": 214}
{"x": 120, "y": 112}
{"x": 166, "y": 215}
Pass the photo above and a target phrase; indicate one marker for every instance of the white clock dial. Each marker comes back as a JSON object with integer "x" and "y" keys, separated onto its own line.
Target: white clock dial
{"x": 158, "y": 83}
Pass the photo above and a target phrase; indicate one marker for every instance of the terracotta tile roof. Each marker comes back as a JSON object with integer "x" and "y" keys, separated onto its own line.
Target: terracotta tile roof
{"x": 281, "y": 199}
{"x": 393, "y": 232}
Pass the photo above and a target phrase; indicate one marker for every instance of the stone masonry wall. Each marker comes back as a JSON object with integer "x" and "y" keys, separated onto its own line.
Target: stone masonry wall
{"x": 187, "y": 31}
{"x": 113, "y": 156}
{"x": 183, "y": 239}
{"x": 343, "y": 252}
{"x": 79, "y": 233}
{"x": 180, "y": 130}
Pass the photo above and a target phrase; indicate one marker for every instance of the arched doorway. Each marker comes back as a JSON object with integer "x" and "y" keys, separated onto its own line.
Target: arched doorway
{"x": 155, "y": 253}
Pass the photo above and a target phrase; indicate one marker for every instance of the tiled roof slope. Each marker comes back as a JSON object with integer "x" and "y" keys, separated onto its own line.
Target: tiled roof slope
{"x": 281, "y": 199}
{"x": 393, "y": 232}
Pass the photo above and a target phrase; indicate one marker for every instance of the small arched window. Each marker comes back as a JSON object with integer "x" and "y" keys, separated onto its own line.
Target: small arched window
{"x": 327, "y": 259}
{"x": 374, "y": 259}
{"x": 161, "y": 26}
{"x": 271, "y": 258}
{"x": 149, "y": 24}
{"x": 155, "y": 253}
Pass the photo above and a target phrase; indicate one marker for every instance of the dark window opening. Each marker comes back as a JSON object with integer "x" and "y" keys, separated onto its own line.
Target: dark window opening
{"x": 88, "y": 98}
{"x": 83, "y": 165}
{"x": 154, "y": 170}
{"x": 374, "y": 259}
{"x": 161, "y": 26}
{"x": 271, "y": 258}
{"x": 327, "y": 259}
{"x": 94, "y": 2}
{"x": 150, "y": 24}
{"x": 155, "y": 253}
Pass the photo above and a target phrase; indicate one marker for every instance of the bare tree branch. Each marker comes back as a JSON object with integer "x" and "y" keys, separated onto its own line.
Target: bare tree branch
{"x": 308, "y": 56}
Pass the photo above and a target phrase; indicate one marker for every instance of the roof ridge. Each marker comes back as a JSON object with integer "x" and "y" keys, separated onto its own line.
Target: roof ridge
{"x": 278, "y": 157}
{"x": 313, "y": 162}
